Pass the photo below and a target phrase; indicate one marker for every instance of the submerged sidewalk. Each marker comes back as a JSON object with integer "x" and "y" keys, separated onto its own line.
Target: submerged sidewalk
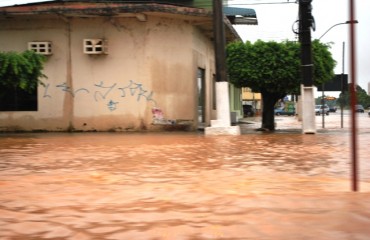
{"x": 331, "y": 122}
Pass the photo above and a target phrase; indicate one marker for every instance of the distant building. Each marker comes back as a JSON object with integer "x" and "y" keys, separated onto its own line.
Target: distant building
{"x": 251, "y": 98}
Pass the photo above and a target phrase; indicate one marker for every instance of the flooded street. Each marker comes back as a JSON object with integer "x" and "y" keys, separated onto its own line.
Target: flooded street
{"x": 185, "y": 186}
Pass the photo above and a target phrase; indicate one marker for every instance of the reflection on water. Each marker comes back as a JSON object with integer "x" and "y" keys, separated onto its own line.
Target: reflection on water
{"x": 181, "y": 186}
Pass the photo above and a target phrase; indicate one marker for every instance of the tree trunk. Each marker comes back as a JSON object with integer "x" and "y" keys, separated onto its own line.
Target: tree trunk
{"x": 268, "y": 114}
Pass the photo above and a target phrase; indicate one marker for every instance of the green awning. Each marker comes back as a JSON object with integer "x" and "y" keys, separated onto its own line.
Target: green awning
{"x": 244, "y": 12}
{"x": 241, "y": 16}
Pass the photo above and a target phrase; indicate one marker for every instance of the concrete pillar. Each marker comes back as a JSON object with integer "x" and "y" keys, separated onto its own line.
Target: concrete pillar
{"x": 308, "y": 112}
{"x": 222, "y": 126}
{"x": 223, "y": 104}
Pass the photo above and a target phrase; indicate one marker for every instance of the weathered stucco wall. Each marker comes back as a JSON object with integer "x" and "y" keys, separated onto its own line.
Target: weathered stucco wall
{"x": 149, "y": 64}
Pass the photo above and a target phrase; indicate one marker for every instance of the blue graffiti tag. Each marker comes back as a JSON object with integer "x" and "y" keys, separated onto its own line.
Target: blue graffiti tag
{"x": 112, "y": 105}
{"x": 100, "y": 85}
{"x": 133, "y": 89}
{"x": 68, "y": 89}
{"x": 46, "y": 91}
{"x": 137, "y": 89}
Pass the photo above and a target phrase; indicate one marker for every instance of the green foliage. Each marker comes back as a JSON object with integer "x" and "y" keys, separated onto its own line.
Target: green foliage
{"x": 264, "y": 65}
{"x": 344, "y": 99}
{"x": 275, "y": 67}
{"x": 324, "y": 63}
{"x": 274, "y": 70}
{"x": 22, "y": 70}
{"x": 362, "y": 98}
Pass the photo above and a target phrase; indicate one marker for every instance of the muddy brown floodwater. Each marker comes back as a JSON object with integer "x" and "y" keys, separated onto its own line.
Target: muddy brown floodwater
{"x": 182, "y": 186}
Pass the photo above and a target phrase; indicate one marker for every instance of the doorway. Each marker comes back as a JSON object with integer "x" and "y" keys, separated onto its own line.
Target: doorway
{"x": 201, "y": 96}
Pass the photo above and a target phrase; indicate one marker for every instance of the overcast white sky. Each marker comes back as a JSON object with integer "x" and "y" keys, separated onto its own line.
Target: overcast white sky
{"x": 275, "y": 23}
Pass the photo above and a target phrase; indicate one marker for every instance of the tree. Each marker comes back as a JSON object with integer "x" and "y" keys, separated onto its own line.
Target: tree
{"x": 273, "y": 69}
{"x": 362, "y": 98}
{"x": 21, "y": 70}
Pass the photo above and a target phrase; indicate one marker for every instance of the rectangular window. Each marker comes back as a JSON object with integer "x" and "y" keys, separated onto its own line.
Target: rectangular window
{"x": 16, "y": 99}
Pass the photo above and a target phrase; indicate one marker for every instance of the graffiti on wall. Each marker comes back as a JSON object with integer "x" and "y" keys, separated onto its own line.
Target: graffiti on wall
{"x": 46, "y": 91}
{"x": 65, "y": 88}
{"x": 158, "y": 117}
{"x": 112, "y": 105}
{"x": 106, "y": 92}
{"x": 136, "y": 89}
{"x": 103, "y": 91}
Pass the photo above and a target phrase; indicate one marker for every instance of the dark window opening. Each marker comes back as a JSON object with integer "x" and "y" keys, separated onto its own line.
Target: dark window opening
{"x": 16, "y": 99}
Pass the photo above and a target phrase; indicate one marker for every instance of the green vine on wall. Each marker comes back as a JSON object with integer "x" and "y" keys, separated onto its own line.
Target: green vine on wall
{"x": 21, "y": 70}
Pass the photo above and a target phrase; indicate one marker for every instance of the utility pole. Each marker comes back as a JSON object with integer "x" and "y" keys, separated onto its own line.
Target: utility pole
{"x": 222, "y": 125}
{"x": 354, "y": 152}
{"x": 219, "y": 41}
{"x": 306, "y": 22}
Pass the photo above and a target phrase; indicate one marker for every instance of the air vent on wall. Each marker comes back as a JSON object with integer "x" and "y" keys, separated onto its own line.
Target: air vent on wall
{"x": 43, "y": 48}
{"x": 95, "y": 46}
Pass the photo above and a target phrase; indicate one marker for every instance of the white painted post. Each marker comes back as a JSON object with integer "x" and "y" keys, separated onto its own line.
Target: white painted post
{"x": 308, "y": 112}
{"x": 222, "y": 125}
{"x": 222, "y": 101}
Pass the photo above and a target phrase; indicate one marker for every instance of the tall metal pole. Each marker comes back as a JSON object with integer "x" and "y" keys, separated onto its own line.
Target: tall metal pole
{"x": 342, "y": 77}
{"x": 323, "y": 101}
{"x": 342, "y": 87}
{"x": 353, "y": 98}
{"x": 323, "y": 105}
